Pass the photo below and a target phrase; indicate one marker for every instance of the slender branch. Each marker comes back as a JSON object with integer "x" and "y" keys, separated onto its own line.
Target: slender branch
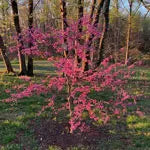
{"x": 36, "y": 4}
{"x": 146, "y": 14}
{"x": 147, "y": 7}
{"x": 124, "y": 6}
{"x": 137, "y": 8}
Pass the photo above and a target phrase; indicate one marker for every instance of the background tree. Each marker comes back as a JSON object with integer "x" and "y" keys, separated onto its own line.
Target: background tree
{"x": 104, "y": 32}
{"x": 64, "y": 22}
{"x": 128, "y": 30}
{"x": 95, "y": 22}
{"x": 5, "y": 57}
{"x": 30, "y": 24}
{"x": 22, "y": 62}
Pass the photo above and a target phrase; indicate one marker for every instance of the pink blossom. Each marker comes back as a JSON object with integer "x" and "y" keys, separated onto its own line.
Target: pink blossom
{"x": 26, "y": 78}
{"x": 7, "y": 91}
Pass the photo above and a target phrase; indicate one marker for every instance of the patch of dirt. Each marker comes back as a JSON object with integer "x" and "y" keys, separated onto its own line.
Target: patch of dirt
{"x": 50, "y": 133}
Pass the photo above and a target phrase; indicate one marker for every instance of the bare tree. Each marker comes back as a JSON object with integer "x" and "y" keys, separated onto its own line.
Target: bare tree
{"x": 146, "y": 4}
{"x": 91, "y": 19}
{"x": 80, "y": 26}
{"x": 80, "y": 14}
{"x": 128, "y": 30}
{"x": 4, "y": 56}
{"x": 30, "y": 26}
{"x": 85, "y": 65}
{"x": 104, "y": 32}
{"x": 92, "y": 10}
{"x": 64, "y": 22}
{"x": 22, "y": 63}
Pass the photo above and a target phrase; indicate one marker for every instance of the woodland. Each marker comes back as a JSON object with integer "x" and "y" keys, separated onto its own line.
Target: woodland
{"x": 74, "y": 74}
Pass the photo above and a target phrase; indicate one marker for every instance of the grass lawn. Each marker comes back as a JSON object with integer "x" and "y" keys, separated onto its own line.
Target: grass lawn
{"x": 22, "y": 129}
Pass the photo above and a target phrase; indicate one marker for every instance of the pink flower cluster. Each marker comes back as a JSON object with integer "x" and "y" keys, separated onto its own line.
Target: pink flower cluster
{"x": 27, "y": 92}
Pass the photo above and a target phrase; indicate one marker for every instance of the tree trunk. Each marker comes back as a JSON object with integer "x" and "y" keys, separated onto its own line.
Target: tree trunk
{"x": 80, "y": 14}
{"x": 30, "y": 26}
{"x": 128, "y": 32}
{"x": 104, "y": 32}
{"x": 64, "y": 23}
{"x": 116, "y": 29}
{"x": 85, "y": 65}
{"x": 4, "y": 56}
{"x": 22, "y": 63}
{"x": 90, "y": 21}
{"x": 98, "y": 12}
{"x": 92, "y": 10}
{"x": 80, "y": 26}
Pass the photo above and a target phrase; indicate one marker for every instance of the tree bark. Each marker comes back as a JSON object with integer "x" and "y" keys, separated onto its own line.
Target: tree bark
{"x": 64, "y": 22}
{"x": 98, "y": 12}
{"x": 80, "y": 26}
{"x": 92, "y": 10}
{"x": 90, "y": 21}
{"x": 104, "y": 32}
{"x": 30, "y": 26}
{"x": 85, "y": 65}
{"x": 22, "y": 62}
{"x": 5, "y": 57}
{"x": 80, "y": 14}
{"x": 128, "y": 31}
{"x": 116, "y": 29}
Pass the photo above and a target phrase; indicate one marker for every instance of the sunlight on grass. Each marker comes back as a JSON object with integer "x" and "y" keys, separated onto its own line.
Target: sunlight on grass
{"x": 132, "y": 119}
{"x": 141, "y": 73}
{"x": 40, "y": 67}
{"x": 147, "y": 134}
{"x": 12, "y": 123}
{"x": 139, "y": 129}
{"x": 54, "y": 148}
{"x": 140, "y": 125}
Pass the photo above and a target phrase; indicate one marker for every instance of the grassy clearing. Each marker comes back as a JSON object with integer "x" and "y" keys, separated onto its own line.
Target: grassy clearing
{"x": 42, "y": 68}
{"x": 19, "y": 120}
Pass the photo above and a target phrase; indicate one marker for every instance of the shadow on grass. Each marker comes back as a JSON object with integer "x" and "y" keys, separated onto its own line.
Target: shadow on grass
{"x": 117, "y": 135}
{"x": 41, "y": 68}
{"x": 53, "y": 135}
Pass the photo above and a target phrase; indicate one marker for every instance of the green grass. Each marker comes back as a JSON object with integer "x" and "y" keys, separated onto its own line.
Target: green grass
{"x": 16, "y": 132}
{"x": 42, "y": 68}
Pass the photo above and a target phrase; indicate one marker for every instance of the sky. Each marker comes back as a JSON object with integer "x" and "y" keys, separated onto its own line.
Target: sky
{"x": 142, "y": 9}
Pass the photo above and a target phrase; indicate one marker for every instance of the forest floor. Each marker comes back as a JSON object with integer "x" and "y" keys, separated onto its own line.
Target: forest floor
{"x": 22, "y": 129}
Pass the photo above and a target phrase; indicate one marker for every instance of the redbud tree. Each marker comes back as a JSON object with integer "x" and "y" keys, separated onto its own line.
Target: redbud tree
{"x": 83, "y": 89}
